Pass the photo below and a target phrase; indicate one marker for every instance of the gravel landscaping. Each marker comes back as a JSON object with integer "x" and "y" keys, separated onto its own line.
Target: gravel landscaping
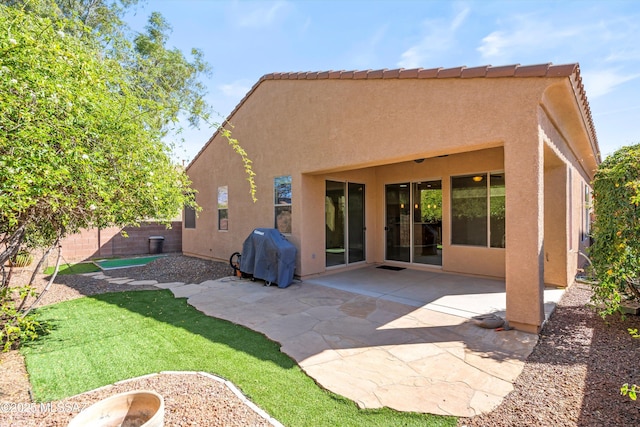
{"x": 572, "y": 378}
{"x": 574, "y": 374}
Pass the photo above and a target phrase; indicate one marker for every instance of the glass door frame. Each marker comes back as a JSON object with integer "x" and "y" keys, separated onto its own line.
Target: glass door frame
{"x": 410, "y": 185}
{"x": 348, "y": 248}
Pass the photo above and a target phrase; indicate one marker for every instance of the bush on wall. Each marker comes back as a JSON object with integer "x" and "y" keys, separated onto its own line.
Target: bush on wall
{"x": 615, "y": 252}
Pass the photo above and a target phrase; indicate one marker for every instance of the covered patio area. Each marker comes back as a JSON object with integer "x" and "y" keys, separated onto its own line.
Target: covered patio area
{"x": 460, "y": 295}
{"x": 400, "y": 339}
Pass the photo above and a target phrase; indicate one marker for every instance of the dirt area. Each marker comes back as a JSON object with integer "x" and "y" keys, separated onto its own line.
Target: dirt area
{"x": 572, "y": 378}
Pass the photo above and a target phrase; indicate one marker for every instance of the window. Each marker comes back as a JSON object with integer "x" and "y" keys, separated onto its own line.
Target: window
{"x": 223, "y": 208}
{"x": 586, "y": 212}
{"x": 282, "y": 200}
{"x": 497, "y": 202}
{"x": 189, "y": 217}
{"x": 478, "y": 210}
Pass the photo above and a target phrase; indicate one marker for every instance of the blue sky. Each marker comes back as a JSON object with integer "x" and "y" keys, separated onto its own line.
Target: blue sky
{"x": 243, "y": 40}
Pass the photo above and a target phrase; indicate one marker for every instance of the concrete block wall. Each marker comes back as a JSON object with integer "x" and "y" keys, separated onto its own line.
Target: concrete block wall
{"x": 109, "y": 242}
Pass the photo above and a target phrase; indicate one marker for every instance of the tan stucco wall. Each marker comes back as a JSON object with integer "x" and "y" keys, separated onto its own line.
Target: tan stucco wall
{"x": 370, "y": 131}
{"x": 568, "y": 212}
{"x": 556, "y": 234}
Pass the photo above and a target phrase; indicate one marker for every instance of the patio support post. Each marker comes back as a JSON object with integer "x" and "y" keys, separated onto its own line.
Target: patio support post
{"x": 524, "y": 171}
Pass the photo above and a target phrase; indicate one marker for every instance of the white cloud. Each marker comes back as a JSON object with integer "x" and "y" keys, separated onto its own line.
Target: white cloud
{"x": 237, "y": 89}
{"x": 598, "y": 83}
{"x": 439, "y": 38}
{"x": 264, "y": 15}
{"x": 528, "y": 35}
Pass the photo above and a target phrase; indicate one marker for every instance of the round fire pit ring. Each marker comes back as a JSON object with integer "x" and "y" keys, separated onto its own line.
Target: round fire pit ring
{"x": 138, "y": 408}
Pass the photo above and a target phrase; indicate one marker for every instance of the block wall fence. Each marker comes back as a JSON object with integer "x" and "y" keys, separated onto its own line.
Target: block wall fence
{"x": 109, "y": 242}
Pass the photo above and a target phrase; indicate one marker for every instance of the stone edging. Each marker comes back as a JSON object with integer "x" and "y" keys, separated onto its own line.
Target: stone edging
{"x": 227, "y": 383}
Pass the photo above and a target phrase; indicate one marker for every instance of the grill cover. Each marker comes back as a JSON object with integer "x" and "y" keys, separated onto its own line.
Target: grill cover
{"x": 267, "y": 255}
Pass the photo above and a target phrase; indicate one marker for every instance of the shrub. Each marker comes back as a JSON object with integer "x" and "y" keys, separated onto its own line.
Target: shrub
{"x": 615, "y": 252}
{"x": 21, "y": 259}
{"x": 16, "y": 327}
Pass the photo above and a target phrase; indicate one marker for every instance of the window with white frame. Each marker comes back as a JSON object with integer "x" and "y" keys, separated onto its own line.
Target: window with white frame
{"x": 478, "y": 210}
{"x": 223, "y": 208}
{"x": 282, "y": 203}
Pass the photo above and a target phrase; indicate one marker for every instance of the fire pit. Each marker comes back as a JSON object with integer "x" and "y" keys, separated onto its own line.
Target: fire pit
{"x": 139, "y": 408}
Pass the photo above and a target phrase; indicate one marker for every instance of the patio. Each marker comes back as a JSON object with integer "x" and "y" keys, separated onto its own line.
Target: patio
{"x": 400, "y": 339}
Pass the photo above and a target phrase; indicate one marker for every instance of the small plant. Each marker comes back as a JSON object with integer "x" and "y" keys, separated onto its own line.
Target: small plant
{"x": 21, "y": 259}
{"x": 15, "y": 327}
{"x": 631, "y": 390}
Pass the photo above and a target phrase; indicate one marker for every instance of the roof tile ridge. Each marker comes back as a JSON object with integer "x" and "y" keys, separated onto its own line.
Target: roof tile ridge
{"x": 576, "y": 81}
{"x": 392, "y": 74}
{"x": 473, "y": 72}
{"x": 429, "y": 73}
{"x": 535, "y": 70}
{"x": 410, "y": 73}
{"x": 445, "y": 73}
{"x": 502, "y": 71}
{"x": 562, "y": 70}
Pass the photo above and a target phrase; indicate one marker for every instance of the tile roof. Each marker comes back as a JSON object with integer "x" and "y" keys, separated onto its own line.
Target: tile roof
{"x": 571, "y": 71}
{"x": 540, "y": 70}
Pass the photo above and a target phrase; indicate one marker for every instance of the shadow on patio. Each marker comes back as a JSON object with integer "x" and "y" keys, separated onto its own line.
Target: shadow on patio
{"x": 400, "y": 339}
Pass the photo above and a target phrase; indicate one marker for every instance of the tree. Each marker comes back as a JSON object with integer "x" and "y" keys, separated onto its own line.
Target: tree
{"x": 615, "y": 252}
{"x": 80, "y": 144}
{"x": 83, "y": 115}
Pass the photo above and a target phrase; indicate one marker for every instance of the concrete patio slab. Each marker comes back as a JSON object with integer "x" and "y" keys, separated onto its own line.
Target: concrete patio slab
{"x": 143, "y": 282}
{"x": 185, "y": 291}
{"x": 169, "y": 285}
{"x": 400, "y": 339}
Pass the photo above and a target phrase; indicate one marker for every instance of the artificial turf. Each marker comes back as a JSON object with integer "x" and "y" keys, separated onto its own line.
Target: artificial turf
{"x": 106, "y": 338}
{"x": 79, "y": 268}
{"x": 108, "y": 264}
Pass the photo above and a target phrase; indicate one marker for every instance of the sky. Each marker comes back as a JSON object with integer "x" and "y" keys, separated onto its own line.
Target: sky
{"x": 244, "y": 40}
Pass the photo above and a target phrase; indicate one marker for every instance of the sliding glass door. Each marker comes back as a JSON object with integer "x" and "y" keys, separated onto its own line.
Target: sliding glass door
{"x": 398, "y": 222}
{"x": 344, "y": 223}
{"x": 427, "y": 222}
{"x": 413, "y": 213}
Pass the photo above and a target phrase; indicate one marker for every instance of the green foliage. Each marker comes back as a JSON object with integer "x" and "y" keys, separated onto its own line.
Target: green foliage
{"x": 616, "y": 230}
{"x": 630, "y": 390}
{"x": 79, "y": 144}
{"x": 84, "y": 114}
{"x": 246, "y": 161}
{"x": 79, "y": 268}
{"x": 14, "y": 327}
{"x": 21, "y": 259}
{"x": 431, "y": 205}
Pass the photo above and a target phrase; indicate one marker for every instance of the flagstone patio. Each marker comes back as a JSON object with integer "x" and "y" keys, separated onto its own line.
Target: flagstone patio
{"x": 401, "y": 339}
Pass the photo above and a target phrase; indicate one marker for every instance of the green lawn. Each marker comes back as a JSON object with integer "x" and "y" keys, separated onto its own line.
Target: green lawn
{"x": 106, "y": 338}
{"x": 79, "y": 268}
{"x": 126, "y": 262}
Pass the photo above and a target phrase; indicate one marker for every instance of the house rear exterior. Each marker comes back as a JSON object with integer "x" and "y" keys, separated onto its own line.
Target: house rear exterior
{"x": 482, "y": 171}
